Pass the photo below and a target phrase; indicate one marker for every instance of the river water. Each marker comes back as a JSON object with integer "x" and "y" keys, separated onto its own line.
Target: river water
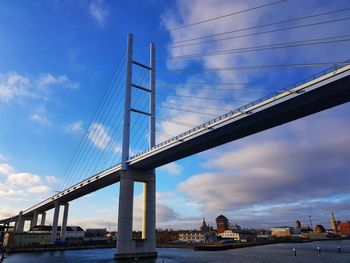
{"x": 281, "y": 253}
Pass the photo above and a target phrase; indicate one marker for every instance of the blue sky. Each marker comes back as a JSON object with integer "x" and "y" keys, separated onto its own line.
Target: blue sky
{"x": 57, "y": 59}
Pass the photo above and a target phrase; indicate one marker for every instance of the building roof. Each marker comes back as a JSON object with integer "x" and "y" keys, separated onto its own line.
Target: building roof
{"x": 221, "y": 217}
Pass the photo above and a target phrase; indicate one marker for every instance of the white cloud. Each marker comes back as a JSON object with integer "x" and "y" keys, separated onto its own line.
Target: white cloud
{"x": 5, "y": 212}
{"x": 75, "y": 127}
{"x": 98, "y": 11}
{"x": 40, "y": 119}
{"x": 171, "y": 168}
{"x": 273, "y": 168}
{"x": 99, "y": 136}
{"x": 51, "y": 179}
{"x": 23, "y": 179}
{"x": 6, "y": 169}
{"x": 18, "y": 186}
{"x": 40, "y": 116}
{"x": 39, "y": 189}
{"x": 2, "y": 157}
{"x": 13, "y": 85}
{"x": 49, "y": 80}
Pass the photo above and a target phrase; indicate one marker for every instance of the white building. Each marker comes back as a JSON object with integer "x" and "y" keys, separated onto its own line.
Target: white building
{"x": 191, "y": 236}
{"x": 230, "y": 234}
{"x": 72, "y": 232}
{"x": 284, "y": 231}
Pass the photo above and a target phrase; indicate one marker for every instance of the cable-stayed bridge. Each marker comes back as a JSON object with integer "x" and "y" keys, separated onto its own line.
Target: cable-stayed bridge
{"x": 322, "y": 91}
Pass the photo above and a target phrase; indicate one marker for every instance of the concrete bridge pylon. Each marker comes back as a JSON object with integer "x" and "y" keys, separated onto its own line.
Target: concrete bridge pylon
{"x": 127, "y": 247}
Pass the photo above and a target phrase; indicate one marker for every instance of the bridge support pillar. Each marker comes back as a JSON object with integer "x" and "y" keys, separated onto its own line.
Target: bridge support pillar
{"x": 64, "y": 222}
{"x": 43, "y": 218}
{"x": 127, "y": 247}
{"x": 34, "y": 221}
{"x": 20, "y": 223}
{"x": 149, "y": 213}
{"x": 125, "y": 214}
{"x": 55, "y": 222}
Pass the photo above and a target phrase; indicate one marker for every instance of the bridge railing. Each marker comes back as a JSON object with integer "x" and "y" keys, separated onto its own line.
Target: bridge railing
{"x": 242, "y": 108}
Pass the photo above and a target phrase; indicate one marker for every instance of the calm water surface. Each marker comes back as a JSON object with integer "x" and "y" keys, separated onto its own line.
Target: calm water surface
{"x": 282, "y": 253}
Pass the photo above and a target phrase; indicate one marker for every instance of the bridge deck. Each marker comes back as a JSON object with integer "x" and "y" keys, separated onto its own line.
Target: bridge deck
{"x": 327, "y": 91}
{"x": 321, "y": 93}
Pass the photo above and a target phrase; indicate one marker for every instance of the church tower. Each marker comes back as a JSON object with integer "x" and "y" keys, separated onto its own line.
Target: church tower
{"x": 204, "y": 226}
{"x": 334, "y": 224}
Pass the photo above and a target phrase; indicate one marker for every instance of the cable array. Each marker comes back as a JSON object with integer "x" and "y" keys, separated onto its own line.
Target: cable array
{"x": 262, "y": 32}
{"x": 308, "y": 42}
{"x": 95, "y": 143}
{"x": 100, "y": 146}
{"x": 227, "y": 15}
{"x": 257, "y": 67}
{"x": 264, "y": 25}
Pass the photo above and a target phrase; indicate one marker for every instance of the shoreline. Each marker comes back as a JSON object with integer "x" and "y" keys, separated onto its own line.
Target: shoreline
{"x": 55, "y": 248}
{"x": 196, "y": 247}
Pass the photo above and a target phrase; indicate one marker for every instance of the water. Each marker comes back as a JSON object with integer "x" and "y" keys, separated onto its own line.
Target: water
{"x": 281, "y": 253}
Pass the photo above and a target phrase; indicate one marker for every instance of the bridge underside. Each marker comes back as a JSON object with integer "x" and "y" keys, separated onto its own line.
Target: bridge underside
{"x": 307, "y": 103}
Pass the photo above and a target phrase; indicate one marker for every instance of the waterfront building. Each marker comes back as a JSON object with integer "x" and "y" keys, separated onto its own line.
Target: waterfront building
{"x": 72, "y": 232}
{"x": 284, "y": 231}
{"x": 205, "y": 234}
{"x": 229, "y": 234}
{"x": 297, "y": 224}
{"x": 221, "y": 224}
{"x": 14, "y": 240}
{"x": 191, "y": 236}
{"x": 344, "y": 228}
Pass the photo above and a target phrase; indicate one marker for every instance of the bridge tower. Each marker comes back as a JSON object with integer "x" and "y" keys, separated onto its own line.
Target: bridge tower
{"x": 127, "y": 247}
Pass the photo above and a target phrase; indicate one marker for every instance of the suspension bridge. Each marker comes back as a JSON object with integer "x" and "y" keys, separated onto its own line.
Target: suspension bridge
{"x": 324, "y": 90}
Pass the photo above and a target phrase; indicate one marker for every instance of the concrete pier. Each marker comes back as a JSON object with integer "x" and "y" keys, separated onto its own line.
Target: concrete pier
{"x": 149, "y": 213}
{"x": 64, "y": 222}
{"x": 127, "y": 247}
{"x": 55, "y": 222}
{"x": 43, "y": 218}
{"x": 34, "y": 221}
{"x": 20, "y": 223}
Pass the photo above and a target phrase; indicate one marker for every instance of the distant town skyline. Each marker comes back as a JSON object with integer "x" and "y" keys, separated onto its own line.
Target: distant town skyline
{"x": 58, "y": 56}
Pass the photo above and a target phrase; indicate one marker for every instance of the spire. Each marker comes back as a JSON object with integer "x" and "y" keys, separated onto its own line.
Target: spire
{"x": 204, "y": 225}
{"x": 334, "y": 223}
